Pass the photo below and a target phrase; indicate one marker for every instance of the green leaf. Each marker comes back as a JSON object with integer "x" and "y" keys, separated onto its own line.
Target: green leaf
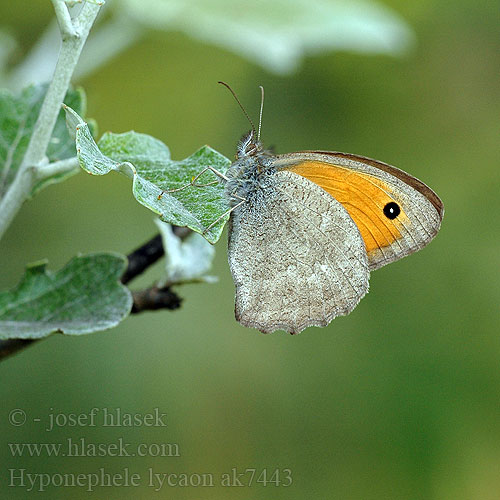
{"x": 188, "y": 260}
{"x": 278, "y": 34}
{"x": 18, "y": 115}
{"x": 83, "y": 297}
{"x": 147, "y": 161}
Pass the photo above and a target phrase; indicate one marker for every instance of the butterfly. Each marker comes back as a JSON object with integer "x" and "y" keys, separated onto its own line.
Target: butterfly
{"x": 307, "y": 228}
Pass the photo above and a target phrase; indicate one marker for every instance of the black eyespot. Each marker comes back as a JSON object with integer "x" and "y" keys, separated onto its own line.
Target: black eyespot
{"x": 392, "y": 210}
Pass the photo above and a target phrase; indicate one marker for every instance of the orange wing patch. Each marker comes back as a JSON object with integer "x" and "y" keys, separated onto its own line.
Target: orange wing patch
{"x": 363, "y": 196}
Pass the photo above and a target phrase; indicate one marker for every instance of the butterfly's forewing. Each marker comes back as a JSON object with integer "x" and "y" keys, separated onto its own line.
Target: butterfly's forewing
{"x": 367, "y": 189}
{"x": 296, "y": 256}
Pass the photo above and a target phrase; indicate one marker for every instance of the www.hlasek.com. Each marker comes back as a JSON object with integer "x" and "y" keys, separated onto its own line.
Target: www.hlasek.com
{"x": 81, "y": 447}
{"x": 248, "y": 477}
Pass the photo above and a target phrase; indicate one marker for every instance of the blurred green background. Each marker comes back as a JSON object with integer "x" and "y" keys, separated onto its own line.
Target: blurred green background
{"x": 401, "y": 399}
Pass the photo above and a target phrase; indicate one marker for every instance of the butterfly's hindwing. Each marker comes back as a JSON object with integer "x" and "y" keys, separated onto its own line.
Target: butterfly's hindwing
{"x": 296, "y": 256}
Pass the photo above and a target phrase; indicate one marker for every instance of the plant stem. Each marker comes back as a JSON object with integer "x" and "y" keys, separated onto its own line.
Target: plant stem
{"x": 74, "y": 34}
{"x": 146, "y": 255}
{"x": 71, "y": 48}
{"x": 64, "y": 19}
{"x": 154, "y": 298}
{"x": 58, "y": 167}
{"x": 10, "y": 347}
{"x": 139, "y": 260}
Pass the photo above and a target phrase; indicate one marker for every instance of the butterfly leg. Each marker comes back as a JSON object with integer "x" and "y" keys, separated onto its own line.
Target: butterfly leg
{"x": 194, "y": 179}
{"x": 243, "y": 200}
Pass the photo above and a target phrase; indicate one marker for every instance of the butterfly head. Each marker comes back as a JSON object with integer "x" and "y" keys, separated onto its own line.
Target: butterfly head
{"x": 249, "y": 145}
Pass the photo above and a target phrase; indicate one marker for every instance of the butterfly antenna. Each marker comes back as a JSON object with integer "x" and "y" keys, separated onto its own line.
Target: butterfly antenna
{"x": 240, "y": 105}
{"x": 261, "y": 109}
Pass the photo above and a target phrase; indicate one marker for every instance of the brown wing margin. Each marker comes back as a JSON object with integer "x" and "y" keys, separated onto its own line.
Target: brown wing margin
{"x": 396, "y": 172}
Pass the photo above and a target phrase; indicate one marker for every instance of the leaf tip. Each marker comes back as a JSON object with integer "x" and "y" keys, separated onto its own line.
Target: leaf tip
{"x": 38, "y": 266}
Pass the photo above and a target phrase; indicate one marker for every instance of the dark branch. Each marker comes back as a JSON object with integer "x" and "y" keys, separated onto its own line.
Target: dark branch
{"x": 150, "y": 299}
{"x": 155, "y": 298}
{"x": 146, "y": 255}
{"x": 139, "y": 260}
{"x": 9, "y": 347}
